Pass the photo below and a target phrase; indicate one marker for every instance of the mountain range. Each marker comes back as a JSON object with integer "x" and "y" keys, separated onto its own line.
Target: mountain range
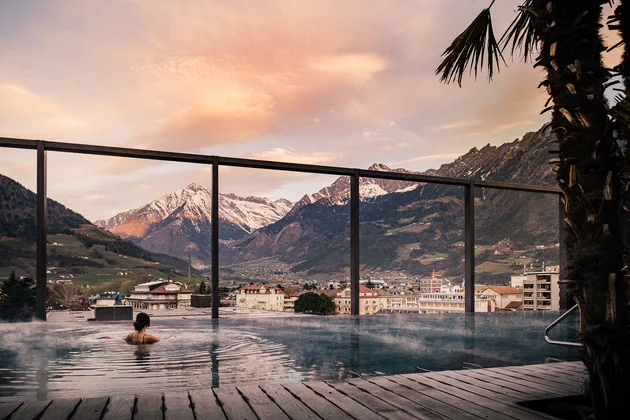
{"x": 410, "y": 227}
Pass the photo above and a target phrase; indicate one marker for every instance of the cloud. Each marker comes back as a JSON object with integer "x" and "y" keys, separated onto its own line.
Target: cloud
{"x": 450, "y": 126}
{"x": 442, "y": 157}
{"x": 283, "y": 155}
{"x": 26, "y": 114}
{"x": 358, "y": 67}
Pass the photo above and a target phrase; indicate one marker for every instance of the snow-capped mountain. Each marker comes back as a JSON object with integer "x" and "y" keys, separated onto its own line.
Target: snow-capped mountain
{"x": 339, "y": 191}
{"x": 180, "y": 221}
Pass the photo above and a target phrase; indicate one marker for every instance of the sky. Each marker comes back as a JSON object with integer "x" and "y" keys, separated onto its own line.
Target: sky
{"x": 344, "y": 83}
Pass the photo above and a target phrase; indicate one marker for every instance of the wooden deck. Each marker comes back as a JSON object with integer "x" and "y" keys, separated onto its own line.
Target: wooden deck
{"x": 463, "y": 394}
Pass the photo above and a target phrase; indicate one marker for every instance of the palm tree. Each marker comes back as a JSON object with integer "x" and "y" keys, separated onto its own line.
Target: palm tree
{"x": 591, "y": 161}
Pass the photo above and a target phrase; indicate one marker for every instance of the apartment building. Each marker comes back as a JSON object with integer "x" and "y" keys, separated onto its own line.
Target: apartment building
{"x": 541, "y": 290}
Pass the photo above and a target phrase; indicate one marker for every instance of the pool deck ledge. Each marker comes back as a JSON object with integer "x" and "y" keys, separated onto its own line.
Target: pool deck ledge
{"x": 455, "y": 394}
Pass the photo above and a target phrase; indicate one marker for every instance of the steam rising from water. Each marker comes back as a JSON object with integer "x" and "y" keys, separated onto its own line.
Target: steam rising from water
{"x": 45, "y": 361}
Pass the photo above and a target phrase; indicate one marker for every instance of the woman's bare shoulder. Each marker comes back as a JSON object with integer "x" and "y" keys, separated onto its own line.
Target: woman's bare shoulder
{"x": 150, "y": 338}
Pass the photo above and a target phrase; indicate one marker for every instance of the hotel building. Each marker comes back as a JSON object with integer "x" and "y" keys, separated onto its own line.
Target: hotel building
{"x": 160, "y": 295}
{"x": 260, "y": 296}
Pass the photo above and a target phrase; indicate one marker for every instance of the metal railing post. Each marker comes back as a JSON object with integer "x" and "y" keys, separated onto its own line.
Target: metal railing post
{"x": 215, "y": 238}
{"x": 42, "y": 229}
{"x": 469, "y": 241}
{"x": 354, "y": 243}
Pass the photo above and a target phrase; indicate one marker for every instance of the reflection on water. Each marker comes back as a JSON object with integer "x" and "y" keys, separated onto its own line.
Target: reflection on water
{"x": 39, "y": 361}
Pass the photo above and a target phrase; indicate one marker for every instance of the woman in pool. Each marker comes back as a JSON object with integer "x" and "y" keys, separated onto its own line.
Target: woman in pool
{"x": 140, "y": 336}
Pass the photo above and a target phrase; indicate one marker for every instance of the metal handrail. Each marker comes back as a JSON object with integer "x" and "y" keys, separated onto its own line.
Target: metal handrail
{"x": 556, "y": 322}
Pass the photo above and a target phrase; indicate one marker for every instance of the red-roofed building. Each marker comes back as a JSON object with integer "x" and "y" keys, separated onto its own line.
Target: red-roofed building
{"x": 501, "y": 297}
{"x": 160, "y": 295}
{"x": 260, "y": 296}
{"x": 369, "y": 301}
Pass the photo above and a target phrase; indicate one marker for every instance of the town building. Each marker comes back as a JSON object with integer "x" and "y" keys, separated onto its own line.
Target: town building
{"x": 430, "y": 285}
{"x": 260, "y": 296}
{"x": 503, "y": 297}
{"x": 369, "y": 301}
{"x": 541, "y": 290}
{"x": 160, "y": 295}
{"x": 109, "y": 299}
{"x": 516, "y": 281}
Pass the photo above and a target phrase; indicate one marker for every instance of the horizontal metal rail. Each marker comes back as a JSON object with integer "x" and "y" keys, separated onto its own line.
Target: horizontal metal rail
{"x": 556, "y": 322}
{"x": 126, "y": 152}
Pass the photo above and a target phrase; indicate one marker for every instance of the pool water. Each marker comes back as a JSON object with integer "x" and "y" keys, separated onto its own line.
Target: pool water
{"x": 47, "y": 361}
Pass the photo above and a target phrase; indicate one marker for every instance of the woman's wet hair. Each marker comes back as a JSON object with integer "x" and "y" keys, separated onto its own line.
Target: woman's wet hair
{"x": 142, "y": 320}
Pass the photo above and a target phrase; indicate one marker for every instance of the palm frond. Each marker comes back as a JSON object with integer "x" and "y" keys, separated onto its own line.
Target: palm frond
{"x": 521, "y": 32}
{"x": 469, "y": 50}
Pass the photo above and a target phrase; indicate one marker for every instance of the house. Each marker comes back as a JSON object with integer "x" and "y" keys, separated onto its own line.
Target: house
{"x": 160, "y": 294}
{"x": 502, "y": 296}
{"x": 369, "y": 301}
{"x": 260, "y": 296}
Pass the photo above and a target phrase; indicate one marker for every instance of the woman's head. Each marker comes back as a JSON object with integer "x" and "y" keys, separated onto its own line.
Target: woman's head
{"x": 142, "y": 320}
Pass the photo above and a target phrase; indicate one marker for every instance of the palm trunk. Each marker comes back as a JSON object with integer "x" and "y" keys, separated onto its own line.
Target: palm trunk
{"x": 587, "y": 173}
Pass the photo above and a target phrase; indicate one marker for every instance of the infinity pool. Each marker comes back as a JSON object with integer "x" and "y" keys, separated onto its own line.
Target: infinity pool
{"x": 46, "y": 361}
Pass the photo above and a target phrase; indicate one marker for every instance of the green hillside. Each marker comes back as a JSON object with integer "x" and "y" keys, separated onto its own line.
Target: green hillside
{"x": 77, "y": 250}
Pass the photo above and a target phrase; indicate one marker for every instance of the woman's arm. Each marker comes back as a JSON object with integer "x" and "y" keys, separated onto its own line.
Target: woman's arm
{"x": 129, "y": 337}
{"x": 150, "y": 338}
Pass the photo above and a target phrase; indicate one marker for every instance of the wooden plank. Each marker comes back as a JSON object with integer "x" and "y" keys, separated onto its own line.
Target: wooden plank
{"x": 548, "y": 378}
{"x": 402, "y": 403}
{"x": 90, "y": 409}
{"x": 544, "y": 373}
{"x": 347, "y": 404}
{"x": 288, "y": 403}
{"x": 234, "y": 406}
{"x": 484, "y": 377}
{"x": 120, "y": 407}
{"x": 30, "y": 410}
{"x": 507, "y": 408}
{"x": 177, "y": 406}
{"x": 319, "y": 405}
{"x": 264, "y": 407}
{"x": 205, "y": 405}
{"x": 475, "y": 386}
{"x": 149, "y": 406}
{"x": 511, "y": 378}
{"x": 61, "y": 409}
{"x": 561, "y": 371}
{"x": 427, "y": 401}
{"x": 376, "y": 404}
{"x": 6, "y": 409}
{"x": 435, "y": 391}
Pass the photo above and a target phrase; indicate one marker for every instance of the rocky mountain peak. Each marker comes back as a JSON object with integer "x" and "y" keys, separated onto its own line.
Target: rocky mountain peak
{"x": 193, "y": 186}
{"x": 379, "y": 167}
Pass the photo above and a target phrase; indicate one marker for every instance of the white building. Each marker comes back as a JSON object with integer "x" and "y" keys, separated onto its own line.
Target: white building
{"x": 447, "y": 302}
{"x": 260, "y": 296}
{"x": 160, "y": 295}
{"x": 517, "y": 281}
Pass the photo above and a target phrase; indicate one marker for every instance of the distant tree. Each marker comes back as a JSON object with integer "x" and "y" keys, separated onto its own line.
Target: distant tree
{"x": 17, "y": 299}
{"x": 127, "y": 286}
{"x": 310, "y": 286}
{"x": 343, "y": 284}
{"x": 290, "y": 290}
{"x": 202, "y": 288}
{"x": 370, "y": 285}
{"x": 70, "y": 296}
{"x": 312, "y": 303}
